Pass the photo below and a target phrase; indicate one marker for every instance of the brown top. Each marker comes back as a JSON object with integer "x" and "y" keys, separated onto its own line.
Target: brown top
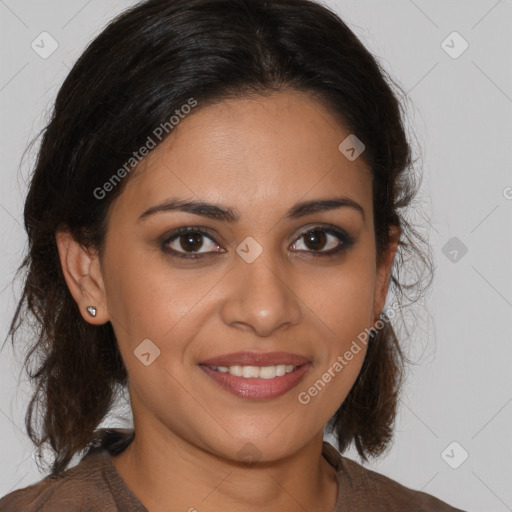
{"x": 94, "y": 484}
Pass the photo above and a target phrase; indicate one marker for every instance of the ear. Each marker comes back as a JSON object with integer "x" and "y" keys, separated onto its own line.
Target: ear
{"x": 82, "y": 271}
{"x": 384, "y": 273}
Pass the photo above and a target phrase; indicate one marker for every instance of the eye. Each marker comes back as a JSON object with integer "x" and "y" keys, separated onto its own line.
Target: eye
{"x": 323, "y": 241}
{"x": 188, "y": 241}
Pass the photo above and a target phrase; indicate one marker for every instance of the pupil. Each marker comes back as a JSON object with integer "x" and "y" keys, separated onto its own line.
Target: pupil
{"x": 316, "y": 238}
{"x": 192, "y": 241}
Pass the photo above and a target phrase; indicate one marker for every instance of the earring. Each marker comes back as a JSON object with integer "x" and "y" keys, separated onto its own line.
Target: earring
{"x": 91, "y": 310}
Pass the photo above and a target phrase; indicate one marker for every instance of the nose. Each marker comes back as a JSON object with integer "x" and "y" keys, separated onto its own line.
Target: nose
{"x": 260, "y": 297}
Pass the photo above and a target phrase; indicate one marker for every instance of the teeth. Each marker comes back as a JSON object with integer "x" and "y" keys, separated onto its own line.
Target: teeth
{"x": 250, "y": 372}
{"x": 256, "y": 372}
{"x": 235, "y": 370}
{"x": 267, "y": 372}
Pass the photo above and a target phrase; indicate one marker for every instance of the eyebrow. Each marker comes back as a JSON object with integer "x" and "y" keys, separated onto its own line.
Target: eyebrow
{"x": 226, "y": 214}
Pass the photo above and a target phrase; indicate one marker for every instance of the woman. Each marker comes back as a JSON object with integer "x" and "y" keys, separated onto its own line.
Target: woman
{"x": 213, "y": 220}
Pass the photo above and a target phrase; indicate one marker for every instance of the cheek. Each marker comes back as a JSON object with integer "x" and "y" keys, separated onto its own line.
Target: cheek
{"x": 146, "y": 295}
{"x": 340, "y": 356}
{"x": 342, "y": 302}
{"x": 342, "y": 297}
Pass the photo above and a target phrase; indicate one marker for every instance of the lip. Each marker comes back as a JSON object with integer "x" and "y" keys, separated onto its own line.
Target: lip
{"x": 257, "y": 388}
{"x": 256, "y": 359}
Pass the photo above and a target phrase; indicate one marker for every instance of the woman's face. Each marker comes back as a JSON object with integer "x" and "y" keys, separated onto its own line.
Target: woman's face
{"x": 258, "y": 284}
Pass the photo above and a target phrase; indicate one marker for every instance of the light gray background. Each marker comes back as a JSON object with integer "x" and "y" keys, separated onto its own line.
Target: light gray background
{"x": 460, "y": 389}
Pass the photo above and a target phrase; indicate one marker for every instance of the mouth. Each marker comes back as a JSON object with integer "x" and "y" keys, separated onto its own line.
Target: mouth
{"x": 257, "y": 375}
{"x": 256, "y": 372}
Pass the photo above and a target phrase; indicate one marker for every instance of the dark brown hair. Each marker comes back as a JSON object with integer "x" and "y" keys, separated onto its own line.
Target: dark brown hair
{"x": 142, "y": 67}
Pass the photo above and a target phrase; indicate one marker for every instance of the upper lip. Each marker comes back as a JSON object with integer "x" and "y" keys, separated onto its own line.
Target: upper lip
{"x": 256, "y": 359}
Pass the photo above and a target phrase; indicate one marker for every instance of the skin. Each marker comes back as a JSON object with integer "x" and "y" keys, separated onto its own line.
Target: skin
{"x": 260, "y": 156}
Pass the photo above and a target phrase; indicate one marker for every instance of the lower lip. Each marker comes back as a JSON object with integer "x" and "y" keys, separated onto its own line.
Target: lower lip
{"x": 258, "y": 388}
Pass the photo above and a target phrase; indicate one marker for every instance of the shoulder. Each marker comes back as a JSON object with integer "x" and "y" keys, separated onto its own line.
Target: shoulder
{"x": 80, "y": 486}
{"x": 92, "y": 484}
{"x": 395, "y": 496}
{"x": 374, "y": 491}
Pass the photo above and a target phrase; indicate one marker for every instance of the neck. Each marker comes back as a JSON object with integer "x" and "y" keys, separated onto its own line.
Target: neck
{"x": 163, "y": 469}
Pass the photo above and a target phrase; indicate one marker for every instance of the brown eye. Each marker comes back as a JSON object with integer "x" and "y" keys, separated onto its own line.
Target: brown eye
{"x": 188, "y": 242}
{"x": 323, "y": 241}
{"x": 196, "y": 242}
{"x": 315, "y": 239}
{"x": 191, "y": 241}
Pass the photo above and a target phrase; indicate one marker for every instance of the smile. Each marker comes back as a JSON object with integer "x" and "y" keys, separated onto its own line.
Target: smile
{"x": 256, "y": 372}
{"x": 257, "y": 383}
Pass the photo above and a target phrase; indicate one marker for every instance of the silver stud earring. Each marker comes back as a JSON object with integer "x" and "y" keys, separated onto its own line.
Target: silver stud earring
{"x": 91, "y": 310}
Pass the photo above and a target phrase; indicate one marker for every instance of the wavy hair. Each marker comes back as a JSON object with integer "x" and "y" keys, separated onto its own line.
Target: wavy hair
{"x": 144, "y": 65}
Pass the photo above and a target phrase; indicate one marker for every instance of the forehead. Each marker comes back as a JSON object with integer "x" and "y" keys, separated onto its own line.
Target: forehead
{"x": 249, "y": 154}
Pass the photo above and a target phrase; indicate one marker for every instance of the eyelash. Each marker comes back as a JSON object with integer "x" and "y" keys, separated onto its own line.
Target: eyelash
{"x": 346, "y": 241}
